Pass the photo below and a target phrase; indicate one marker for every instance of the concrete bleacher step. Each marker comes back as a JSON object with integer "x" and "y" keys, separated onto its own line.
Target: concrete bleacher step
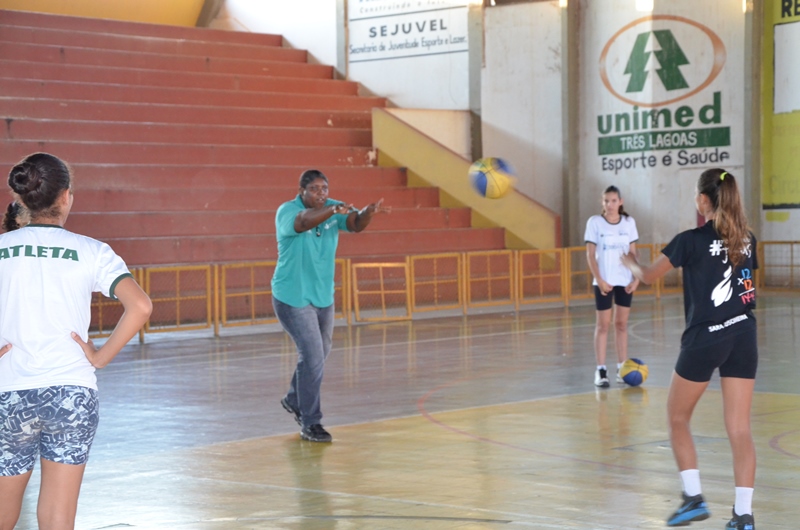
{"x": 41, "y": 53}
{"x": 187, "y": 176}
{"x": 116, "y": 131}
{"x": 118, "y": 27}
{"x": 182, "y": 96}
{"x": 55, "y": 108}
{"x": 142, "y": 44}
{"x": 119, "y": 224}
{"x": 131, "y": 153}
{"x": 185, "y": 141}
{"x": 163, "y": 78}
{"x": 234, "y": 248}
{"x": 228, "y": 199}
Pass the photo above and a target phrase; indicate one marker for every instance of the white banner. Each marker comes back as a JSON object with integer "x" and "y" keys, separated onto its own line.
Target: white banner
{"x": 787, "y": 68}
{"x": 393, "y": 29}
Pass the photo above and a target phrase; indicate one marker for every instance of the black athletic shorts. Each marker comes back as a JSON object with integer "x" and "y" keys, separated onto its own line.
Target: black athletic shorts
{"x": 734, "y": 355}
{"x": 617, "y": 295}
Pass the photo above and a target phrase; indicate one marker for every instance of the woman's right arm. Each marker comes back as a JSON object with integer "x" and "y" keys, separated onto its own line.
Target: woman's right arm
{"x": 137, "y": 306}
{"x": 591, "y": 248}
{"x": 650, "y": 273}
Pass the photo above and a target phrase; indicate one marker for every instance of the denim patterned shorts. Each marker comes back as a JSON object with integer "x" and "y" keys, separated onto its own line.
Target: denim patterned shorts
{"x": 57, "y": 422}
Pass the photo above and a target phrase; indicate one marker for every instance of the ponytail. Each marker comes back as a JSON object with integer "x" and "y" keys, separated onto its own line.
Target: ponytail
{"x": 730, "y": 220}
{"x": 16, "y": 217}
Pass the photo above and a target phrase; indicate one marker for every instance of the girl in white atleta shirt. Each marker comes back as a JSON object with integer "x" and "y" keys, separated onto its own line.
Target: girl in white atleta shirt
{"x": 48, "y": 390}
{"x": 609, "y": 237}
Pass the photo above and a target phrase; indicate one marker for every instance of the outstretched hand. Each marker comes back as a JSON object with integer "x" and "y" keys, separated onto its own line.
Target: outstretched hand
{"x": 377, "y": 207}
{"x": 629, "y": 260}
{"x": 343, "y": 208}
{"x": 88, "y": 348}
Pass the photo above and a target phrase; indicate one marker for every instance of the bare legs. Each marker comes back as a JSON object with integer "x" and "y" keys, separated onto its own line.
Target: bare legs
{"x": 737, "y": 396}
{"x": 621, "y": 315}
{"x": 11, "y": 491}
{"x": 58, "y": 496}
{"x": 682, "y": 398}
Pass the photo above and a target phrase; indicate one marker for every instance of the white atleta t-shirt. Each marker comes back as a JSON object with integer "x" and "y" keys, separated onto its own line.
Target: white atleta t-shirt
{"x": 47, "y": 277}
{"x": 612, "y": 241}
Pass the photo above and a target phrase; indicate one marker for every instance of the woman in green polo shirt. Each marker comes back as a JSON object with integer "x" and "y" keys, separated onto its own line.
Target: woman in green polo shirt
{"x": 307, "y": 229}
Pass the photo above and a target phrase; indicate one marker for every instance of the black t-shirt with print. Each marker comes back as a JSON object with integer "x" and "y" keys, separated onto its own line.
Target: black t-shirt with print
{"x": 718, "y": 300}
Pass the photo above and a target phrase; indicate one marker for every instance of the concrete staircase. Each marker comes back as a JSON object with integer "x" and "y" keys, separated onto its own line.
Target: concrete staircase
{"x": 184, "y": 141}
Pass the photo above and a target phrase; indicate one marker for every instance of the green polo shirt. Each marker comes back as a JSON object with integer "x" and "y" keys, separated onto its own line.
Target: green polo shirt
{"x": 306, "y": 261}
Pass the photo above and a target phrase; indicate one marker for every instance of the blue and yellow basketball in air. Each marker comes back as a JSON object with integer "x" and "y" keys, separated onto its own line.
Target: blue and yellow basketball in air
{"x": 491, "y": 177}
{"x": 633, "y": 372}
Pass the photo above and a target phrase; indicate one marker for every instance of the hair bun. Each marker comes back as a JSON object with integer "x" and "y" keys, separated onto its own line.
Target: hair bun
{"x": 24, "y": 178}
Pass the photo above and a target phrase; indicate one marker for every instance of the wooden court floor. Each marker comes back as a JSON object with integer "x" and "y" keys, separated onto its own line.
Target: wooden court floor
{"x": 482, "y": 422}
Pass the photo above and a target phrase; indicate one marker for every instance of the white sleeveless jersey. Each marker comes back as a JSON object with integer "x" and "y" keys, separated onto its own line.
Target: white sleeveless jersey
{"x": 612, "y": 241}
{"x": 47, "y": 277}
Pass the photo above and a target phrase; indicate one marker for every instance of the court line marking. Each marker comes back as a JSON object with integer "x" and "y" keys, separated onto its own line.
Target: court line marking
{"x": 428, "y": 416}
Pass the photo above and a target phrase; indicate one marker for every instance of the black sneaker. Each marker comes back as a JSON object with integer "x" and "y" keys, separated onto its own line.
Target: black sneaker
{"x": 693, "y": 509}
{"x": 601, "y": 378}
{"x": 315, "y": 433}
{"x": 741, "y": 522}
{"x": 292, "y": 410}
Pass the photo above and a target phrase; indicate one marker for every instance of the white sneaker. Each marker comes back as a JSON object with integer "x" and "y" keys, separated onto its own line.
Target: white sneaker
{"x": 601, "y": 378}
{"x": 620, "y": 380}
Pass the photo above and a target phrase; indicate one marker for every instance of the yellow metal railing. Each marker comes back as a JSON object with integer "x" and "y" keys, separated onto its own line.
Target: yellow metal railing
{"x": 436, "y": 282}
{"x": 239, "y": 294}
{"x": 386, "y": 285}
{"x": 541, "y": 277}
{"x": 489, "y": 278}
{"x": 182, "y": 298}
{"x": 779, "y": 264}
{"x": 245, "y": 294}
{"x": 579, "y": 277}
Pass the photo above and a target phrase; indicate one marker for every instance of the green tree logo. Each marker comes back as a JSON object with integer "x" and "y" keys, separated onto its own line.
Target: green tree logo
{"x": 670, "y": 58}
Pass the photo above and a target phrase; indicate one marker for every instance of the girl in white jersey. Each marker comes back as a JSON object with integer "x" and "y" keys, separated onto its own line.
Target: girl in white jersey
{"x": 48, "y": 388}
{"x": 718, "y": 260}
{"x": 609, "y": 237}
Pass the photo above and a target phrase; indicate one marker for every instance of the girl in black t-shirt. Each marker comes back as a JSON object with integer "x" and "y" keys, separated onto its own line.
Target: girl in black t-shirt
{"x": 718, "y": 260}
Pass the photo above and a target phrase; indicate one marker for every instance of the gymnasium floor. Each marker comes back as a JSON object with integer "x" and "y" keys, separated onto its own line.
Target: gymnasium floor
{"x": 481, "y": 422}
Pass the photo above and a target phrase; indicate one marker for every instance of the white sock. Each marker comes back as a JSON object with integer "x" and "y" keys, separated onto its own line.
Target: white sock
{"x": 619, "y": 367}
{"x": 744, "y": 501}
{"x": 691, "y": 482}
{"x": 601, "y": 367}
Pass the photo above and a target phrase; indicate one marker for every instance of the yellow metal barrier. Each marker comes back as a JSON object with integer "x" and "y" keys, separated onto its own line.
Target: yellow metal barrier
{"x": 385, "y": 286}
{"x": 341, "y": 290}
{"x": 182, "y": 298}
{"x": 489, "y": 278}
{"x": 246, "y": 294}
{"x": 579, "y": 277}
{"x": 201, "y": 296}
{"x": 436, "y": 282}
{"x": 541, "y": 276}
{"x": 779, "y": 264}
